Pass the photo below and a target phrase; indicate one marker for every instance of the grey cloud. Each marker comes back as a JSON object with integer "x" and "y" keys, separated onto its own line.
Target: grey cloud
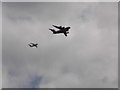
{"x": 87, "y": 57}
{"x": 111, "y": 10}
{"x": 43, "y": 12}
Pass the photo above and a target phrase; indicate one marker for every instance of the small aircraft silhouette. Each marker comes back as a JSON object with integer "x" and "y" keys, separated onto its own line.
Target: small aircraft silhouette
{"x": 33, "y": 45}
{"x": 64, "y": 30}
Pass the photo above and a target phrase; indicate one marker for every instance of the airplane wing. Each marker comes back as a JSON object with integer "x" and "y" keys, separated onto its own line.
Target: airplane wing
{"x": 65, "y": 34}
{"x": 59, "y": 27}
{"x": 36, "y": 46}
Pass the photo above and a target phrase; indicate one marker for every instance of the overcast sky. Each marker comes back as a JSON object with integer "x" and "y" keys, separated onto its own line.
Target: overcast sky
{"x": 87, "y": 58}
{"x": 60, "y": 0}
{"x": 1, "y": 45}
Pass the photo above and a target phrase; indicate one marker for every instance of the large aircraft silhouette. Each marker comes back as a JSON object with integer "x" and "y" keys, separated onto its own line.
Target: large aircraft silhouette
{"x": 64, "y": 30}
{"x": 33, "y": 45}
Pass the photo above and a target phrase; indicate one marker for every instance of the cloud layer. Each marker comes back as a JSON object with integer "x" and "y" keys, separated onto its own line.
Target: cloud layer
{"x": 87, "y": 58}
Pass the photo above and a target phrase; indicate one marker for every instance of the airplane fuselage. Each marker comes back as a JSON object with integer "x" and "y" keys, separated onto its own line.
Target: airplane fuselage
{"x": 63, "y": 30}
{"x": 33, "y": 45}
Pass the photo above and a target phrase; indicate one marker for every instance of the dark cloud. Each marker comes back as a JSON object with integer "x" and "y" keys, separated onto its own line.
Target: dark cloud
{"x": 35, "y": 81}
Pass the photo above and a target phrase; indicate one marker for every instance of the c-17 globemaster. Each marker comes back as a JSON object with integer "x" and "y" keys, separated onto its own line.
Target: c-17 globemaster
{"x": 64, "y": 30}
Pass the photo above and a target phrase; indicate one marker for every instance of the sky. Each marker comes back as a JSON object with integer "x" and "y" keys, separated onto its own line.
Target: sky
{"x": 60, "y": 0}
{"x": 87, "y": 58}
{"x": 1, "y": 45}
